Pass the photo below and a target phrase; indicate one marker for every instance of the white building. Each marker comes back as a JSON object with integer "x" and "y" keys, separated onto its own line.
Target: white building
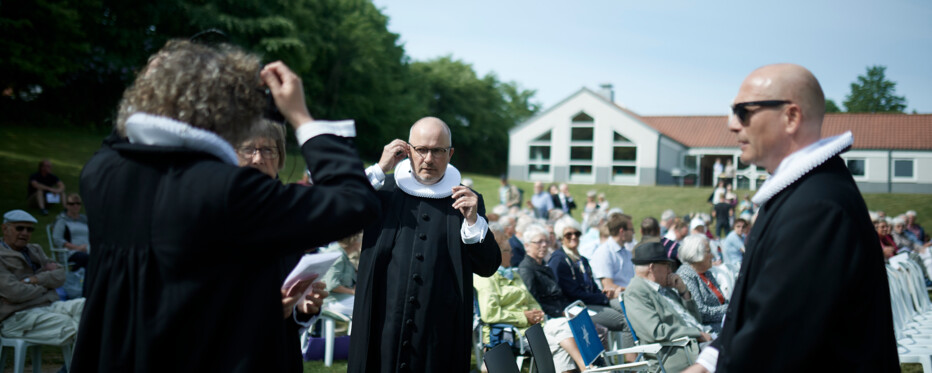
{"x": 588, "y": 139}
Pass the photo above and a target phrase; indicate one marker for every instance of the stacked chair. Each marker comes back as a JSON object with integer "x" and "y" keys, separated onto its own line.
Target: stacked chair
{"x": 912, "y": 312}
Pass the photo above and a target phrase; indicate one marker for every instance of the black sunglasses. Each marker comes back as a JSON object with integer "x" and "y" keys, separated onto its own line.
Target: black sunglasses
{"x": 20, "y": 228}
{"x": 742, "y": 113}
{"x": 572, "y": 234}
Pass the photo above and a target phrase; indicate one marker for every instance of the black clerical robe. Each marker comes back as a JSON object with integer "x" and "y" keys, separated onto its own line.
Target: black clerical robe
{"x": 812, "y": 289}
{"x": 414, "y": 299}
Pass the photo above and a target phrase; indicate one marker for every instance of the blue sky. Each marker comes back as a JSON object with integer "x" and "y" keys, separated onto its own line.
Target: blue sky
{"x": 673, "y": 57}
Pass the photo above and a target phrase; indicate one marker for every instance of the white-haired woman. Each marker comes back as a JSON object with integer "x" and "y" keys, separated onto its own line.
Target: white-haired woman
{"x": 696, "y": 256}
{"x": 574, "y": 276}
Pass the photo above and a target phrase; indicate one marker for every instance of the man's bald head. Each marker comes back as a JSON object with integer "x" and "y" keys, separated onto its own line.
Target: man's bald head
{"x": 430, "y": 125}
{"x": 786, "y": 81}
{"x": 783, "y": 107}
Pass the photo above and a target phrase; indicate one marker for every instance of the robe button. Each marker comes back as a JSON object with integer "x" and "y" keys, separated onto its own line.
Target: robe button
{"x": 422, "y": 236}
{"x": 403, "y": 366}
{"x": 416, "y": 277}
{"x": 412, "y": 300}
{"x": 409, "y": 322}
{"x": 425, "y": 217}
{"x": 405, "y": 344}
{"x": 419, "y": 256}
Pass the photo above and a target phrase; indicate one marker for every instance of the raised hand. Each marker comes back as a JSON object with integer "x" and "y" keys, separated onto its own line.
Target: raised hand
{"x": 466, "y": 201}
{"x": 287, "y": 91}
{"x": 393, "y": 153}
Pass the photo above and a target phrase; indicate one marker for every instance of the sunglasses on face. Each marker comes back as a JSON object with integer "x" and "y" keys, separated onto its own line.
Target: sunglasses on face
{"x": 20, "y": 228}
{"x": 75, "y": 203}
{"x": 571, "y": 235}
{"x": 741, "y": 111}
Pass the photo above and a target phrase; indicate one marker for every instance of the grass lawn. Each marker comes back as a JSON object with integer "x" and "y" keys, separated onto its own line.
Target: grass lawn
{"x": 69, "y": 148}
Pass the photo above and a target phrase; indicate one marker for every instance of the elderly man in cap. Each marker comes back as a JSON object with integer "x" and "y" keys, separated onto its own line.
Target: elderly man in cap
{"x": 29, "y": 306}
{"x": 660, "y": 308}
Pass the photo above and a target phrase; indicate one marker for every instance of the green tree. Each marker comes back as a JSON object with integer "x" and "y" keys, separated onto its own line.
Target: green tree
{"x": 831, "y": 106}
{"x": 873, "y": 93}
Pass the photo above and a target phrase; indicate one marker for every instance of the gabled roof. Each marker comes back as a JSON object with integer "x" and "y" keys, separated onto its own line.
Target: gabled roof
{"x": 871, "y": 131}
{"x": 579, "y": 92}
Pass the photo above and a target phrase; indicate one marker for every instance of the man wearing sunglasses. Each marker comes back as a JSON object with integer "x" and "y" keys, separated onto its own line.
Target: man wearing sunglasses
{"x": 29, "y": 306}
{"x": 414, "y": 301}
{"x": 812, "y": 286}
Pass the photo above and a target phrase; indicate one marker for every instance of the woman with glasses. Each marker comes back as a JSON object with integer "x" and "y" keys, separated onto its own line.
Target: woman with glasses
{"x": 70, "y": 232}
{"x": 264, "y": 150}
{"x": 574, "y": 276}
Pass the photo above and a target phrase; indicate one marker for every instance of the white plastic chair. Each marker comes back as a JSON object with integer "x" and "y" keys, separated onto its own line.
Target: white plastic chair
{"x": 329, "y": 319}
{"x": 19, "y": 354}
{"x": 59, "y": 254}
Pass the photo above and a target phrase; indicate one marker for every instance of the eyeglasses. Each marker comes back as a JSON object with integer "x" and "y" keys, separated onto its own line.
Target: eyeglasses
{"x": 75, "y": 203}
{"x": 571, "y": 235}
{"x": 538, "y": 242}
{"x": 423, "y": 151}
{"x": 249, "y": 151}
{"x": 20, "y": 228}
{"x": 742, "y": 113}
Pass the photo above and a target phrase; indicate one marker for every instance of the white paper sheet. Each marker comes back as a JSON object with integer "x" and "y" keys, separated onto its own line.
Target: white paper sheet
{"x": 309, "y": 265}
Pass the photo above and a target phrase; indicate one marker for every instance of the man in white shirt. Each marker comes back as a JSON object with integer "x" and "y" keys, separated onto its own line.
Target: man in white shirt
{"x": 611, "y": 263}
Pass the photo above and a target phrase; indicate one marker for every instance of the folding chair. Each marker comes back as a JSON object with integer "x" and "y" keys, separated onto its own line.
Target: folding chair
{"x": 541, "y": 358}
{"x": 19, "y": 354}
{"x": 590, "y": 347}
{"x": 500, "y": 359}
{"x": 479, "y": 346}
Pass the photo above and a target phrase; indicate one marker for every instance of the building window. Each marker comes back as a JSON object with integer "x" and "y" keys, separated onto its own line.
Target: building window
{"x": 624, "y": 171}
{"x": 903, "y": 168}
{"x": 624, "y": 160}
{"x": 856, "y": 166}
{"x": 580, "y": 170}
{"x": 540, "y": 153}
{"x": 539, "y": 158}
{"x": 625, "y": 153}
{"x": 582, "y": 117}
{"x": 581, "y": 153}
{"x": 582, "y": 134}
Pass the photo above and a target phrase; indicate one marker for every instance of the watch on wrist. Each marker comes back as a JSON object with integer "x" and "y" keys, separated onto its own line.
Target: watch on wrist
{"x": 28, "y": 280}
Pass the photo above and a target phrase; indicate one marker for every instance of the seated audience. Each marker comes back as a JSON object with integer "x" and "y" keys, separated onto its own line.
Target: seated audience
{"x": 666, "y": 221}
{"x": 504, "y": 299}
{"x": 920, "y": 253}
{"x": 611, "y": 263}
{"x": 44, "y": 187}
{"x": 914, "y": 229}
{"x": 70, "y": 232}
{"x": 537, "y": 276}
{"x": 733, "y": 244}
{"x": 595, "y": 232}
{"x": 340, "y": 279}
{"x": 30, "y": 308}
{"x": 574, "y": 275}
{"x": 509, "y": 225}
{"x": 650, "y": 229}
{"x": 886, "y": 240}
{"x": 660, "y": 306}
{"x": 696, "y": 256}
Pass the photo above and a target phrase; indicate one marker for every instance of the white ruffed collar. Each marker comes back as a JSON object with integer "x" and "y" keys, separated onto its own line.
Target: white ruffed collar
{"x": 148, "y": 129}
{"x": 800, "y": 163}
{"x": 405, "y": 180}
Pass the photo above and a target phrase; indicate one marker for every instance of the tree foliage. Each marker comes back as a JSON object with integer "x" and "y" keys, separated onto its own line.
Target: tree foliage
{"x": 69, "y": 62}
{"x": 831, "y": 106}
{"x": 873, "y": 93}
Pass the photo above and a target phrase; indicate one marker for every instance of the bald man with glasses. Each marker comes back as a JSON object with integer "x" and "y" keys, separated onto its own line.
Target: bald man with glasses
{"x": 812, "y": 286}
{"x": 414, "y": 298}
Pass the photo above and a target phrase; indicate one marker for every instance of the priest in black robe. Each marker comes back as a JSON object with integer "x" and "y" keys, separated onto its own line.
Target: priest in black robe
{"x": 812, "y": 290}
{"x": 414, "y": 299}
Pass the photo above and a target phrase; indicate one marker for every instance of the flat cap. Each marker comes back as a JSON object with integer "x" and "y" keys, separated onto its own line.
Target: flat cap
{"x": 14, "y": 216}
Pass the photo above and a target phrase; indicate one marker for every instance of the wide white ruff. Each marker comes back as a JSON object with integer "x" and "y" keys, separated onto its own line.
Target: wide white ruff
{"x": 147, "y": 129}
{"x": 404, "y": 177}
{"x": 800, "y": 163}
